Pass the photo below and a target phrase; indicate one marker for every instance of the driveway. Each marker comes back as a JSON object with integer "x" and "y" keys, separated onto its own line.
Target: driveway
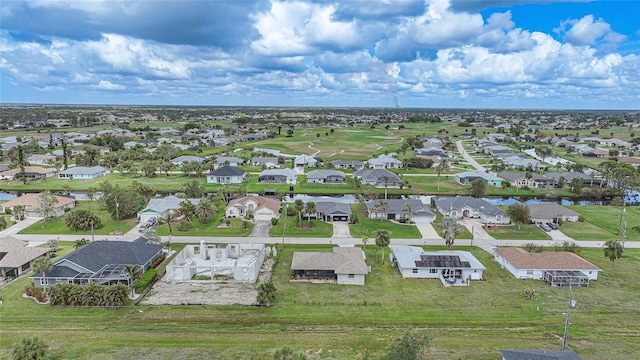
{"x": 261, "y": 229}
{"x": 19, "y": 226}
{"x": 558, "y": 235}
{"x": 428, "y": 232}
{"x": 341, "y": 230}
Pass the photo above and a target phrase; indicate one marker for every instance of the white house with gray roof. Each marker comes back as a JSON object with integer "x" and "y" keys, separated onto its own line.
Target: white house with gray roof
{"x": 469, "y": 207}
{"x": 348, "y": 164}
{"x": 229, "y": 160}
{"x": 82, "y": 173}
{"x": 226, "y": 175}
{"x": 305, "y": 161}
{"x": 453, "y": 268}
{"x": 187, "y": 158}
{"x": 384, "y": 162}
{"x": 379, "y": 178}
{"x": 267, "y": 162}
{"x": 344, "y": 265}
{"x": 159, "y": 208}
{"x": 410, "y": 210}
{"x": 277, "y": 176}
{"x": 332, "y": 211}
{"x": 326, "y": 177}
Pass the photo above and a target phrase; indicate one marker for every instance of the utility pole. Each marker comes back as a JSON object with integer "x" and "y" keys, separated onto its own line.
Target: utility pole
{"x": 117, "y": 212}
{"x": 624, "y": 209}
{"x": 284, "y": 227}
{"x": 623, "y": 232}
{"x": 472, "y": 232}
{"x": 566, "y": 323}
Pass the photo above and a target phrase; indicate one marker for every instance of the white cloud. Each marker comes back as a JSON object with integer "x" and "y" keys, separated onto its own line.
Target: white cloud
{"x": 589, "y": 31}
{"x": 108, "y": 85}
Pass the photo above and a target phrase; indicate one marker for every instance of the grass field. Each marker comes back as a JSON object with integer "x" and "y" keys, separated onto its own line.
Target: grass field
{"x": 319, "y": 228}
{"x": 57, "y": 226}
{"x": 236, "y": 227}
{"x": 367, "y": 227}
{"x": 605, "y": 220}
{"x": 342, "y": 322}
{"x": 528, "y": 232}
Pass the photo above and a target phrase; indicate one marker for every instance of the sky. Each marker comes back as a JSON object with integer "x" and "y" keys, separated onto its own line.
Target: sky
{"x": 515, "y": 54}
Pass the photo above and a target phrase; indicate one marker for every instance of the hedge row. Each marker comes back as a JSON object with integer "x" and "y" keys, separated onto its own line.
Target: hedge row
{"x": 146, "y": 280}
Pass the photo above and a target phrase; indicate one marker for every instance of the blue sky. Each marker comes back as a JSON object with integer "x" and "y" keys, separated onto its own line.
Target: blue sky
{"x": 547, "y": 54}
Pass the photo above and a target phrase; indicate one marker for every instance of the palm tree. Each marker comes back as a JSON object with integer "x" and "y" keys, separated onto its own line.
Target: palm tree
{"x": 135, "y": 273}
{"x": 613, "y": 250}
{"x": 167, "y": 218}
{"x": 383, "y": 238}
{"x": 310, "y": 208}
{"x": 386, "y": 179}
{"x": 31, "y": 348}
{"x": 18, "y": 212}
{"x": 299, "y": 206}
{"x": 365, "y": 240}
{"x": 443, "y": 166}
{"x": 42, "y": 265}
{"x": 204, "y": 210}
{"x": 91, "y": 195}
{"x": 450, "y": 229}
{"x": 3, "y": 223}
{"x": 80, "y": 242}
{"x": 408, "y": 213}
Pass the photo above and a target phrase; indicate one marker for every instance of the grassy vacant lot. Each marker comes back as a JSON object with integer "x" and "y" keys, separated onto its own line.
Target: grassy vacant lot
{"x": 319, "y": 228}
{"x": 528, "y": 232}
{"x": 342, "y": 322}
{"x": 236, "y": 227}
{"x": 57, "y": 226}
{"x": 601, "y": 223}
{"x": 367, "y": 227}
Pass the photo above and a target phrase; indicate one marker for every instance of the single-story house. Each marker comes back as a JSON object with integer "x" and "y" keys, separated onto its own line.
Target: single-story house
{"x": 469, "y": 207}
{"x": 229, "y": 160}
{"x": 630, "y": 160}
{"x": 451, "y": 267}
{"x": 187, "y": 158}
{"x": 268, "y": 162}
{"x": 412, "y": 210}
{"x": 101, "y": 262}
{"x": 522, "y": 163}
{"x": 82, "y": 172}
{"x": 16, "y": 257}
{"x": 467, "y": 177}
{"x": 345, "y": 265}
{"x": 348, "y": 164}
{"x": 555, "y": 268}
{"x": 305, "y": 161}
{"x": 30, "y": 172}
{"x": 599, "y": 153}
{"x": 277, "y": 176}
{"x": 160, "y": 208}
{"x": 519, "y": 179}
{"x": 226, "y": 175}
{"x": 569, "y": 176}
{"x": 260, "y": 207}
{"x": 539, "y": 355}
{"x": 544, "y": 213}
{"x": 379, "y": 178}
{"x": 332, "y": 211}
{"x": 384, "y": 162}
{"x": 32, "y": 208}
{"x": 40, "y": 159}
{"x": 326, "y": 177}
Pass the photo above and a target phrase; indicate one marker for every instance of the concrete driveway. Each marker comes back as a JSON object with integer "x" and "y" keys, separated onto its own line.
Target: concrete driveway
{"x": 428, "y": 232}
{"x": 19, "y": 226}
{"x": 341, "y": 230}
{"x": 558, "y": 235}
{"x": 261, "y": 229}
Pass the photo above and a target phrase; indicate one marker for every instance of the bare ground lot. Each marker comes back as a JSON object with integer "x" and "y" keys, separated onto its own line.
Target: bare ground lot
{"x": 203, "y": 292}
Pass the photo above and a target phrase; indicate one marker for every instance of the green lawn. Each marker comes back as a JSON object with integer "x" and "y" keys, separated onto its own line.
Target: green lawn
{"x": 464, "y": 232}
{"x": 367, "y": 227}
{"x": 318, "y": 228}
{"x": 342, "y": 321}
{"x": 510, "y": 232}
{"x": 236, "y": 227}
{"x": 57, "y": 226}
{"x": 606, "y": 218}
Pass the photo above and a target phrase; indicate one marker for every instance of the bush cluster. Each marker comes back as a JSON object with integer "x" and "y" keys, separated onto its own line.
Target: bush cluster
{"x": 530, "y": 294}
{"x": 184, "y": 226}
{"x": 158, "y": 261}
{"x": 88, "y": 295}
{"x": 36, "y": 293}
{"x": 146, "y": 280}
{"x": 82, "y": 220}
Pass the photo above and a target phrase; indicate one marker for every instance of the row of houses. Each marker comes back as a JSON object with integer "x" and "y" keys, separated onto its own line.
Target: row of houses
{"x": 526, "y": 179}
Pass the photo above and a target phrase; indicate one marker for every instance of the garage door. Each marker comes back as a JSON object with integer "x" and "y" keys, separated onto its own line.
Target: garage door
{"x": 146, "y": 217}
{"x": 422, "y": 219}
{"x": 262, "y": 217}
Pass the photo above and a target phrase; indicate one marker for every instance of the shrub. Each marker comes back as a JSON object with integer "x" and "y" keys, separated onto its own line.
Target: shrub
{"x": 146, "y": 280}
{"x": 580, "y": 218}
{"x": 82, "y": 220}
{"x": 274, "y": 221}
{"x": 530, "y": 294}
{"x": 158, "y": 261}
{"x": 184, "y": 226}
{"x": 35, "y": 292}
{"x": 571, "y": 246}
{"x": 88, "y": 295}
{"x": 29, "y": 349}
{"x": 560, "y": 222}
{"x": 533, "y": 247}
{"x": 266, "y": 293}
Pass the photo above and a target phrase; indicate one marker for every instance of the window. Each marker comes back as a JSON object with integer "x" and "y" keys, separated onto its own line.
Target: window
{"x": 415, "y": 271}
{"x": 529, "y": 272}
{"x": 351, "y": 276}
{"x": 433, "y": 271}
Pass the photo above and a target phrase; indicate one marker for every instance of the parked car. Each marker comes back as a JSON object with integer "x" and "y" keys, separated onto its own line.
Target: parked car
{"x": 545, "y": 227}
{"x": 553, "y": 226}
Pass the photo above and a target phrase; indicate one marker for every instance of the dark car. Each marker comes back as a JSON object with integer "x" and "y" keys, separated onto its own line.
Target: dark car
{"x": 545, "y": 227}
{"x": 553, "y": 226}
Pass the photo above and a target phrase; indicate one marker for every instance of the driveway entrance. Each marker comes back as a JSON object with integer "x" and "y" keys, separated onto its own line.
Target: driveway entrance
{"x": 341, "y": 230}
{"x": 261, "y": 229}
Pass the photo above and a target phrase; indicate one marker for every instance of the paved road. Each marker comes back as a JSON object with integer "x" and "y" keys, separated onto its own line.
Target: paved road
{"x": 468, "y": 157}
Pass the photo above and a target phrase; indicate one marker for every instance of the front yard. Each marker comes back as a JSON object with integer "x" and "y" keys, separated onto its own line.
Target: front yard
{"x": 510, "y": 232}
{"x": 366, "y": 228}
{"x": 603, "y": 220}
{"x": 317, "y": 229}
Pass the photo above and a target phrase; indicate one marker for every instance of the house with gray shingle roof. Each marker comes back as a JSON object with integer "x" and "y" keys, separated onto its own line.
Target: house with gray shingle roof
{"x": 101, "y": 262}
{"x": 411, "y": 210}
{"x": 461, "y": 207}
{"x": 229, "y": 160}
{"x": 451, "y": 267}
{"x": 348, "y": 164}
{"x": 268, "y": 162}
{"x": 187, "y": 158}
{"x": 226, "y": 175}
{"x": 379, "y": 178}
{"x": 345, "y": 265}
{"x": 277, "y": 176}
{"x": 82, "y": 172}
{"x": 159, "y": 208}
{"x": 16, "y": 257}
{"x": 326, "y": 177}
{"x": 332, "y": 211}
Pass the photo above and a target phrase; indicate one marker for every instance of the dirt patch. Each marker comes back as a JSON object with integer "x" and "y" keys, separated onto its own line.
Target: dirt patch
{"x": 205, "y": 292}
